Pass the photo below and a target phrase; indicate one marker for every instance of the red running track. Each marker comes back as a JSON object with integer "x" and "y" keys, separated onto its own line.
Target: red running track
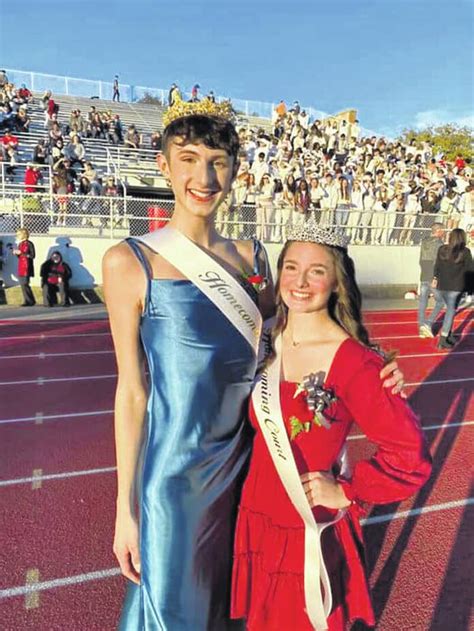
{"x": 63, "y": 527}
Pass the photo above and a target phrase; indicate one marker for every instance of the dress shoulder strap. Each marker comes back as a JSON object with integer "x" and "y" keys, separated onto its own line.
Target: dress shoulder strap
{"x": 260, "y": 259}
{"x": 136, "y": 249}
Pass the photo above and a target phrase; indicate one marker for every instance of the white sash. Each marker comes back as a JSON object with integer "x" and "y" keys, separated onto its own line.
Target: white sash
{"x": 211, "y": 278}
{"x": 266, "y": 400}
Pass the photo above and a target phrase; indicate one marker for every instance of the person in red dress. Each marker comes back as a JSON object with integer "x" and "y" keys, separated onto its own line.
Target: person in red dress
{"x": 329, "y": 380}
{"x": 25, "y": 251}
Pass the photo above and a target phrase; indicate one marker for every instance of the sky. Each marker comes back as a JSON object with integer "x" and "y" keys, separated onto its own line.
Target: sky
{"x": 400, "y": 63}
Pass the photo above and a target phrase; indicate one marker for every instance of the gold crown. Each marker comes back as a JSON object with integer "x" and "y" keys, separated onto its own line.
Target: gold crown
{"x": 206, "y": 107}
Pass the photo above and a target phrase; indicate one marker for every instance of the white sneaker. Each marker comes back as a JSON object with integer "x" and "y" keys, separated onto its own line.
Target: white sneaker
{"x": 425, "y": 331}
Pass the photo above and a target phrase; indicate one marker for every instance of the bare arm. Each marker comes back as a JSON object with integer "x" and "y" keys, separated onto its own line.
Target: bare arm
{"x": 124, "y": 284}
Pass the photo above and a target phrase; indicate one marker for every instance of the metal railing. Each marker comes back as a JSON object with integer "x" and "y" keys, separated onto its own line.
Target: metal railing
{"x": 116, "y": 217}
{"x": 72, "y": 86}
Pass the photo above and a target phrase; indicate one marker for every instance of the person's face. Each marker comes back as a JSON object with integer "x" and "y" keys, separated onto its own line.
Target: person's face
{"x": 307, "y": 277}
{"x": 200, "y": 177}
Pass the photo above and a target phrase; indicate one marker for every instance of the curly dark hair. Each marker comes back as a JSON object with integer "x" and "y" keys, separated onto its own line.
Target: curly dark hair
{"x": 212, "y": 131}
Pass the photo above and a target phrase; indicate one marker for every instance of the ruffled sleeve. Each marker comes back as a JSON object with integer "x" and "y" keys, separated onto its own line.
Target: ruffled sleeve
{"x": 402, "y": 463}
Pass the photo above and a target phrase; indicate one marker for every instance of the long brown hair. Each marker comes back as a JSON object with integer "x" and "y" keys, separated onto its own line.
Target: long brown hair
{"x": 344, "y": 306}
{"x": 454, "y": 250}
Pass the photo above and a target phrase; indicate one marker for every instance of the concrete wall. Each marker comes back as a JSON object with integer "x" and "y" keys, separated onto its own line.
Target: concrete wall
{"x": 375, "y": 265}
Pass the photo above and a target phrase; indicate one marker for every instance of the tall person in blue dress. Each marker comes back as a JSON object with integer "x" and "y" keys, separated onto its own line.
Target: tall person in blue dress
{"x": 184, "y": 302}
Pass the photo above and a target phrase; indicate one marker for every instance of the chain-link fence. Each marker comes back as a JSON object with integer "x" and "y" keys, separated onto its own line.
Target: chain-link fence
{"x": 118, "y": 217}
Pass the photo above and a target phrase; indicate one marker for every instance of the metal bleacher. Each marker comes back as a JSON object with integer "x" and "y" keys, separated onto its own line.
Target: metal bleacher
{"x": 131, "y": 167}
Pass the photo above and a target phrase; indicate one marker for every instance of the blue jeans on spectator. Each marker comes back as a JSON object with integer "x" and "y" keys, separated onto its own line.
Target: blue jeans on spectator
{"x": 450, "y": 299}
{"x": 425, "y": 290}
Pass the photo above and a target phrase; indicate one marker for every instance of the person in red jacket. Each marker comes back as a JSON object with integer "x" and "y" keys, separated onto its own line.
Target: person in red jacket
{"x": 25, "y": 251}
{"x": 32, "y": 178}
{"x": 321, "y": 376}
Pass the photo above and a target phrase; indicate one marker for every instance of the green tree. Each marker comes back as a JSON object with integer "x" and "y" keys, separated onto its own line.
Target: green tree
{"x": 150, "y": 99}
{"x": 449, "y": 139}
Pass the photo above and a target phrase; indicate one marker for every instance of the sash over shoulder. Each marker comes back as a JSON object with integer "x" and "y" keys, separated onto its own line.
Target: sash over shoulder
{"x": 266, "y": 400}
{"x": 211, "y": 278}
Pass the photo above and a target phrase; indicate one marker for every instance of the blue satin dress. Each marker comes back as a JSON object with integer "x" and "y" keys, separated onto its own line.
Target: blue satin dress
{"x": 195, "y": 457}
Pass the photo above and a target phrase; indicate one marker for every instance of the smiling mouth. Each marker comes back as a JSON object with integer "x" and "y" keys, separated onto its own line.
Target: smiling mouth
{"x": 202, "y": 196}
{"x": 300, "y": 295}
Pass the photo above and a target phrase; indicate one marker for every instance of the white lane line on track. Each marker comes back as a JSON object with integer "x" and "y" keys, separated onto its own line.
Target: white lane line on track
{"x": 51, "y": 417}
{"x": 411, "y": 337}
{"x": 111, "y": 352}
{"x": 39, "y": 478}
{"x": 64, "y": 321}
{"x": 425, "y": 428}
{"x": 40, "y": 381}
{"x": 46, "y": 355}
{"x": 22, "y": 590}
{"x": 440, "y": 354}
{"x": 43, "y": 336}
{"x": 458, "y": 320}
{"x": 414, "y": 512}
{"x": 438, "y": 382}
{"x": 75, "y": 474}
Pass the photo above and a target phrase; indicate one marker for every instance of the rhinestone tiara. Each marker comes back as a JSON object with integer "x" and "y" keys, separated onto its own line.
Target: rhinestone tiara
{"x": 205, "y": 107}
{"x": 316, "y": 233}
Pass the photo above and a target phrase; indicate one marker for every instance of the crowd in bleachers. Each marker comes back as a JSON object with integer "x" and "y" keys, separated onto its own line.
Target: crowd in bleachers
{"x": 62, "y": 145}
{"x": 378, "y": 191}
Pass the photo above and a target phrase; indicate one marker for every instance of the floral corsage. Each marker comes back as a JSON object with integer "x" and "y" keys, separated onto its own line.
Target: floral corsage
{"x": 318, "y": 399}
{"x": 257, "y": 281}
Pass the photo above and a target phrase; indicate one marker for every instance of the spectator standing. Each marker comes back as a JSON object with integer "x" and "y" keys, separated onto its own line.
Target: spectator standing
{"x": 264, "y": 207}
{"x": 250, "y": 202}
{"x": 428, "y": 253}
{"x": 77, "y": 123}
{"x": 453, "y": 262}
{"x": 173, "y": 94}
{"x": 302, "y": 201}
{"x": 316, "y": 193}
{"x": 195, "y": 93}
{"x": 55, "y": 275}
{"x": 116, "y": 89}
{"x": 259, "y": 167}
{"x": 343, "y": 202}
{"x": 329, "y": 201}
{"x": 33, "y": 178}
{"x": 25, "y": 251}
{"x": 355, "y": 213}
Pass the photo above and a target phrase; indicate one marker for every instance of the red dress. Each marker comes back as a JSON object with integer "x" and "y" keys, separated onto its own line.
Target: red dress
{"x": 268, "y": 580}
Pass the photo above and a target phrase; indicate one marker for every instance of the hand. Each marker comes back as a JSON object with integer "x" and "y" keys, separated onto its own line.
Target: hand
{"x": 322, "y": 490}
{"x": 126, "y": 547}
{"x": 393, "y": 376}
